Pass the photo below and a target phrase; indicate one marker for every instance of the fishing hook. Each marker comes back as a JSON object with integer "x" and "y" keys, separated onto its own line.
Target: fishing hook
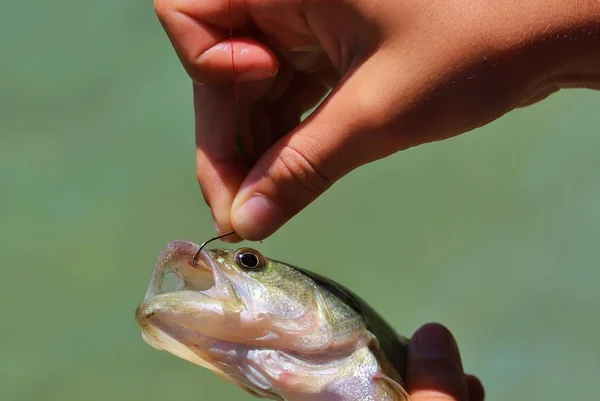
{"x": 195, "y": 259}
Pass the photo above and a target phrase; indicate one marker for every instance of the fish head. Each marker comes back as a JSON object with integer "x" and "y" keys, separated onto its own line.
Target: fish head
{"x": 223, "y": 305}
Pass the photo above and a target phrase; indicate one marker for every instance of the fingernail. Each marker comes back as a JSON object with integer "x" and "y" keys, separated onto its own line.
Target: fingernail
{"x": 257, "y": 218}
{"x": 434, "y": 341}
{"x": 253, "y": 75}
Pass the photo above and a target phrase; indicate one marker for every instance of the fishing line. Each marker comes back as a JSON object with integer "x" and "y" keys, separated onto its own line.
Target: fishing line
{"x": 238, "y": 126}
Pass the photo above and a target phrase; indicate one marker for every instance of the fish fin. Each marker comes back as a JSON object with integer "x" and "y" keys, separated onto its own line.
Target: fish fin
{"x": 392, "y": 387}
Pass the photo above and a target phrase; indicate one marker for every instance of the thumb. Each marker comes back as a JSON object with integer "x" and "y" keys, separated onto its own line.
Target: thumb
{"x": 346, "y": 131}
{"x": 435, "y": 371}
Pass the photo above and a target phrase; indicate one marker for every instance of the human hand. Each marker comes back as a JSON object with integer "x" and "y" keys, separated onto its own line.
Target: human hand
{"x": 435, "y": 371}
{"x": 405, "y": 73}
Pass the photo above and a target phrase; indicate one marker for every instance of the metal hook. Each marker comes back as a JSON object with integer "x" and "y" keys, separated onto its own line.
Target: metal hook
{"x": 195, "y": 259}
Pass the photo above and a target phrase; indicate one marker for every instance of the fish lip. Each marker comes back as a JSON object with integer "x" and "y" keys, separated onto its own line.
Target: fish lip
{"x": 170, "y": 255}
{"x": 176, "y": 257}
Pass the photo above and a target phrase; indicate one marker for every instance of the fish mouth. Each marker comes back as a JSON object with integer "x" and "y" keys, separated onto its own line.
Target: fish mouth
{"x": 193, "y": 311}
{"x": 186, "y": 299}
{"x": 178, "y": 268}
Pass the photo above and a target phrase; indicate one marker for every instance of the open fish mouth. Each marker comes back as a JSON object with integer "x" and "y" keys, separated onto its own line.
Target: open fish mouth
{"x": 178, "y": 294}
{"x": 176, "y": 270}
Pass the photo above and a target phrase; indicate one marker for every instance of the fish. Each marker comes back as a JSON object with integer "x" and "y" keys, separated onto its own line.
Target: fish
{"x": 275, "y": 330}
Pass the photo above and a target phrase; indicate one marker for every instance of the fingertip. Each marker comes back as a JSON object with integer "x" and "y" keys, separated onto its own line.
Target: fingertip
{"x": 253, "y": 61}
{"x": 256, "y": 217}
{"x": 475, "y": 388}
{"x": 435, "y": 368}
{"x": 435, "y": 341}
{"x": 232, "y": 239}
{"x": 227, "y": 234}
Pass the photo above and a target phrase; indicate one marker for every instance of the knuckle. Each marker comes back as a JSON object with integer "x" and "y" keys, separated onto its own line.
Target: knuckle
{"x": 296, "y": 165}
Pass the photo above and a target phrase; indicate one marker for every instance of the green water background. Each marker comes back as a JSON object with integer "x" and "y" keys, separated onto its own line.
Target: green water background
{"x": 494, "y": 233}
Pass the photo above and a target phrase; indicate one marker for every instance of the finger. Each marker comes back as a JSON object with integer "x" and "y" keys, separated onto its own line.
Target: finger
{"x": 219, "y": 168}
{"x": 199, "y": 32}
{"x": 434, "y": 367}
{"x": 341, "y": 135}
{"x": 252, "y": 61}
{"x": 475, "y": 388}
{"x": 303, "y": 93}
{"x": 281, "y": 108}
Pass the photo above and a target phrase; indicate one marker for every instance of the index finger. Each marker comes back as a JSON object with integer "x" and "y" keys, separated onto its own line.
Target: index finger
{"x": 199, "y": 32}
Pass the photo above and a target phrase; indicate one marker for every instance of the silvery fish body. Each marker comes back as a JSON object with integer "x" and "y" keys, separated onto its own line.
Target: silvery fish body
{"x": 275, "y": 330}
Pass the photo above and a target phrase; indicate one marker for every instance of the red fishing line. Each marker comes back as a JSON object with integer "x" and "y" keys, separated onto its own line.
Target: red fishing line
{"x": 238, "y": 124}
{"x": 232, "y": 57}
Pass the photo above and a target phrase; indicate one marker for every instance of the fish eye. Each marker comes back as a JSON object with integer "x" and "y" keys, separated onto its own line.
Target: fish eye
{"x": 249, "y": 259}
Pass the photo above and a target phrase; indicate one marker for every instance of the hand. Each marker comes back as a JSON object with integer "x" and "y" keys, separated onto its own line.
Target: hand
{"x": 435, "y": 370}
{"x": 405, "y": 73}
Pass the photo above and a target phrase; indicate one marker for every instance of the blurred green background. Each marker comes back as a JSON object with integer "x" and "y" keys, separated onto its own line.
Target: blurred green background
{"x": 494, "y": 233}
